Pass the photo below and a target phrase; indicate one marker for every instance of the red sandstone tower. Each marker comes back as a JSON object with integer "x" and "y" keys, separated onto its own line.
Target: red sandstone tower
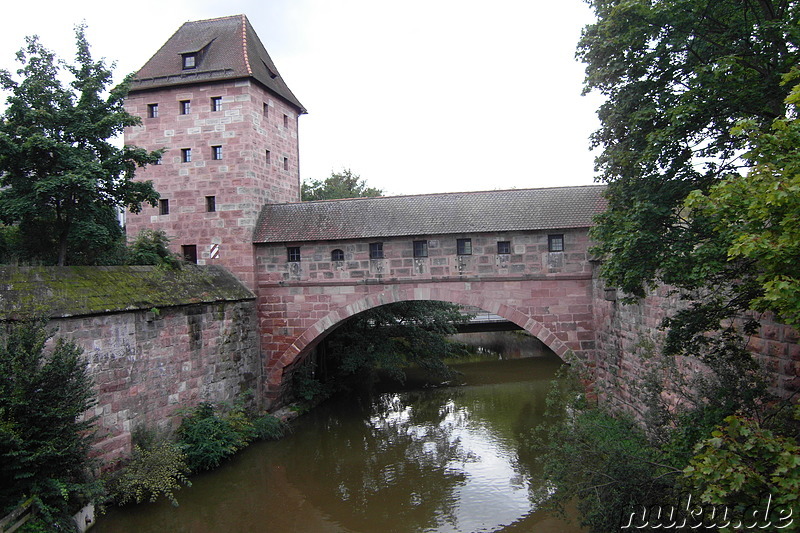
{"x": 213, "y": 98}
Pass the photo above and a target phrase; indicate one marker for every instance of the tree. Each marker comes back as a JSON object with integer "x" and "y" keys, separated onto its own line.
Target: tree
{"x": 61, "y": 175}
{"x": 759, "y": 212}
{"x": 679, "y": 75}
{"x": 342, "y": 184}
{"x": 45, "y": 436}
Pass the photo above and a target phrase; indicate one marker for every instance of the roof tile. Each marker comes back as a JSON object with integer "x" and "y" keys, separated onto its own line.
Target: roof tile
{"x": 431, "y": 214}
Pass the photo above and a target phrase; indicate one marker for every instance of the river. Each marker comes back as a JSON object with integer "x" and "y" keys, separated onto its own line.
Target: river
{"x": 446, "y": 459}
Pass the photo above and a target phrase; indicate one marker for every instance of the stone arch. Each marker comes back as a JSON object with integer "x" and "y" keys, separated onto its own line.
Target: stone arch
{"x": 312, "y": 335}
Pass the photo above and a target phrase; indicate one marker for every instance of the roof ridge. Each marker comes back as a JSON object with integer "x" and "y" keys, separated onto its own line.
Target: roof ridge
{"x": 244, "y": 44}
{"x": 443, "y": 194}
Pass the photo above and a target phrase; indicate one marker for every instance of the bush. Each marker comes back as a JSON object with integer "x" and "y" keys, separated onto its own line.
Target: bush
{"x": 151, "y": 247}
{"x": 268, "y": 427}
{"x": 158, "y": 470}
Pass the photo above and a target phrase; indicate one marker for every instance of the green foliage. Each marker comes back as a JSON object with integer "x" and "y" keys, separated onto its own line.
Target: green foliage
{"x": 62, "y": 179}
{"x": 717, "y": 435}
{"x": 758, "y": 213}
{"x": 153, "y": 471}
{"x": 44, "y": 436}
{"x": 151, "y": 247}
{"x": 742, "y": 462}
{"x": 391, "y": 337}
{"x": 605, "y": 463}
{"x": 679, "y": 76}
{"x": 208, "y": 436}
{"x": 342, "y": 184}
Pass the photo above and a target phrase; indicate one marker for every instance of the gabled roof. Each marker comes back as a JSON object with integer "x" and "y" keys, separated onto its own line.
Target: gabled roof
{"x": 431, "y": 214}
{"x": 227, "y": 48}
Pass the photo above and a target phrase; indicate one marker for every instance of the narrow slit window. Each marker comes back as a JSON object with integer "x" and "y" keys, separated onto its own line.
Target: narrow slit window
{"x": 464, "y": 246}
{"x": 293, "y": 254}
{"x": 555, "y": 243}
{"x": 420, "y": 248}
{"x": 285, "y": 163}
{"x": 211, "y": 204}
{"x": 376, "y": 250}
{"x": 268, "y": 156}
{"x": 265, "y": 110}
{"x": 163, "y": 206}
{"x": 285, "y": 121}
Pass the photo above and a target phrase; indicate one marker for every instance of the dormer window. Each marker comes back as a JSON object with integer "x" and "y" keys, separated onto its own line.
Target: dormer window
{"x": 189, "y": 61}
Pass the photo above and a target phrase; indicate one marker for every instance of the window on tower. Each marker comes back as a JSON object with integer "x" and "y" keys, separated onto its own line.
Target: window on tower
{"x": 216, "y": 152}
{"x": 216, "y": 103}
{"x": 186, "y": 107}
{"x": 211, "y": 204}
{"x": 152, "y": 110}
{"x": 285, "y": 163}
{"x": 163, "y": 206}
{"x": 186, "y": 155}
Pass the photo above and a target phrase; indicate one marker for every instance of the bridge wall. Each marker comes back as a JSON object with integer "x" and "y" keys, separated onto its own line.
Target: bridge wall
{"x": 549, "y": 294}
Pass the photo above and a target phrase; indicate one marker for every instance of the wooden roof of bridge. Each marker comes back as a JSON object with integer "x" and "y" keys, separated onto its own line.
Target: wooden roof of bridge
{"x": 431, "y": 214}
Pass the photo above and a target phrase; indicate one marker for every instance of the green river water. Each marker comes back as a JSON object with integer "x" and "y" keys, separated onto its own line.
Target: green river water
{"x": 444, "y": 459}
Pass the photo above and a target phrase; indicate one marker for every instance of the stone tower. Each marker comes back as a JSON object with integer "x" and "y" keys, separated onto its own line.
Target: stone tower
{"x": 213, "y": 98}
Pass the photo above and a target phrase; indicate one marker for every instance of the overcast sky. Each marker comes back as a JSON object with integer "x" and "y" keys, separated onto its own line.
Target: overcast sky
{"x": 415, "y": 96}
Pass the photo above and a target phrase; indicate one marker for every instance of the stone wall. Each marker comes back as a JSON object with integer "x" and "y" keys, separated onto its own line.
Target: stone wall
{"x": 147, "y": 365}
{"x": 155, "y": 340}
{"x": 629, "y": 341}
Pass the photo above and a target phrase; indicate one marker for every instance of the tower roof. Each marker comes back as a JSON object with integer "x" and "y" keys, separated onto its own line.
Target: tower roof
{"x": 217, "y": 49}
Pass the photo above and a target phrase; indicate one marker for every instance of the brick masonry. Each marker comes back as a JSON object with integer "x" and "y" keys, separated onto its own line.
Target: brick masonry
{"x": 549, "y": 294}
{"x": 148, "y": 365}
{"x": 243, "y": 180}
{"x": 629, "y": 338}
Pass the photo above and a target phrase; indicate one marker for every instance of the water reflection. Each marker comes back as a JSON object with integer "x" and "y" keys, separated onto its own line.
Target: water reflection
{"x": 436, "y": 460}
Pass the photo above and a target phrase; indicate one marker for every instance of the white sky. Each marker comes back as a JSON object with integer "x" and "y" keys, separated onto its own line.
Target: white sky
{"x": 415, "y": 96}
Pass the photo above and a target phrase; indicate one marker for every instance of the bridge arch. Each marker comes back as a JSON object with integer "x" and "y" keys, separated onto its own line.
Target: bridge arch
{"x": 319, "y": 330}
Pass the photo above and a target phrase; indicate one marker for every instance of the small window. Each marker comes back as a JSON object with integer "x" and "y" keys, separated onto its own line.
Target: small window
{"x": 503, "y": 247}
{"x": 464, "y": 246}
{"x": 189, "y": 253}
{"x": 293, "y": 254}
{"x": 268, "y": 156}
{"x": 211, "y": 204}
{"x": 285, "y": 121}
{"x": 186, "y": 155}
{"x": 337, "y": 255}
{"x": 420, "y": 248}
{"x": 186, "y": 107}
{"x": 216, "y": 152}
{"x": 285, "y": 163}
{"x": 376, "y": 250}
{"x": 555, "y": 243}
{"x": 163, "y": 206}
{"x": 266, "y": 109}
{"x": 189, "y": 61}
{"x": 216, "y": 103}
{"x": 152, "y": 110}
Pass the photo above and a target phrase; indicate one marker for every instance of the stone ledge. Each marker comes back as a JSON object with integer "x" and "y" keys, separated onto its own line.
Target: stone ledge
{"x": 82, "y": 290}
